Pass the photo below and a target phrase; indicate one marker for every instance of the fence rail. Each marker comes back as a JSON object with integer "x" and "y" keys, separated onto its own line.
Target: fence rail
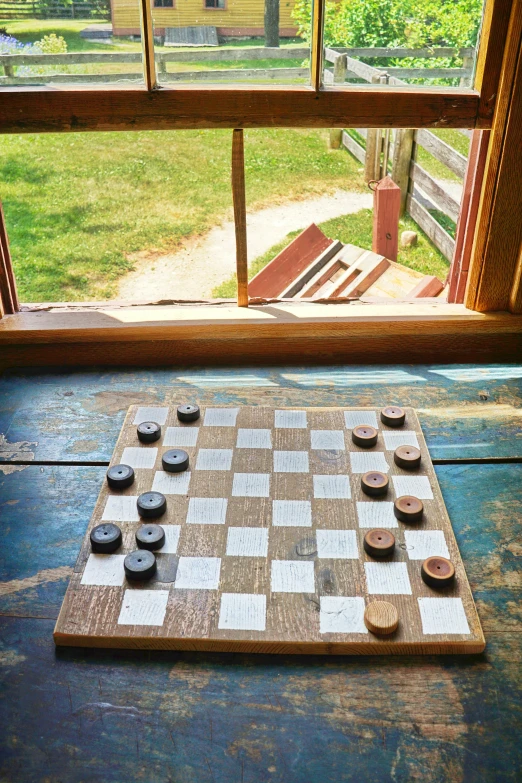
{"x": 30, "y": 10}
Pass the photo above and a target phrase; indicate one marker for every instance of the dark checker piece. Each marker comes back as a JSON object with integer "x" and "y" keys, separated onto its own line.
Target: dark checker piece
{"x": 374, "y": 483}
{"x": 407, "y": 457}
{"x": 175, "y": 461}
{"x": 379, "y": 543}
{"x": 151, "y": 505}
{"x": 438, "y": 572}
{"x": 188, "y": 413}
{"x": 105, "y": 538}
{"x": 150, "y": 537}
{"x": 364, "y": 436}
{"x": 393, "y": 416}
{"x": 148, "y": 432}
{"x": 139, "y": 565}
{"x": 120, "y": 476}
{"x": 408, "y": 509}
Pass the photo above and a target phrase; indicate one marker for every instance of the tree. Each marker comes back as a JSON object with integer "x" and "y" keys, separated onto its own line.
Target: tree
{"x": 272, "y": 23}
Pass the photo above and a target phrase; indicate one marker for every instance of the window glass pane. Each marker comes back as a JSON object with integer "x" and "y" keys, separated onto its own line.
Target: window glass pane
{"x": 413, "y": 42}
{"x": 229, "y": 42}
{"x": 78, "y": 43}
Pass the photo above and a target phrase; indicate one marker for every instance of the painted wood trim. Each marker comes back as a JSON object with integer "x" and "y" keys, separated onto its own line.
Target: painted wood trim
{"x": 493, "y": 41}
{"x": 494, "y": 256}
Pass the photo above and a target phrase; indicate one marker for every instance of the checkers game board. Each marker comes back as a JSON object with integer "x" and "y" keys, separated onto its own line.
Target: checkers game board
{"x": 264, "y": 537}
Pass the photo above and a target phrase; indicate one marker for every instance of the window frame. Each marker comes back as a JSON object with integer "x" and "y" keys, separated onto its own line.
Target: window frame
{"x": 214, "y": 7}
{"x": 387, "y": 333}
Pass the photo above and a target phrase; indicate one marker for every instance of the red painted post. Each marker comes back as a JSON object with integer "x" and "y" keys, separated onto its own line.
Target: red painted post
{"x": 386, "y": 209}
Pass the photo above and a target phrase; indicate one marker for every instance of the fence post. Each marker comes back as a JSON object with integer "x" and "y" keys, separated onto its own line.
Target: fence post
{"x": 402, "y": 153}
{"x": 386, "y": 207}
{"x": 339, "y": 69}
{"x": 467, "y": 81}
{"x": 336, "y": 137}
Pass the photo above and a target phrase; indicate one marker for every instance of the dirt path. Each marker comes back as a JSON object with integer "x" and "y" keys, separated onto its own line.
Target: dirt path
{"x": 201, "y": 264}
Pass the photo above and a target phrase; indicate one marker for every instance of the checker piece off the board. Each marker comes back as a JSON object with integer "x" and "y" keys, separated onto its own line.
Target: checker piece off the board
{"x": 256, "y": 529}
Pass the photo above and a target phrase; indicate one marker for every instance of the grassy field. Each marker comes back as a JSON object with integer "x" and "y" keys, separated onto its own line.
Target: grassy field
{"x": 77, "y": 205}
{"x": 355, "y": 229}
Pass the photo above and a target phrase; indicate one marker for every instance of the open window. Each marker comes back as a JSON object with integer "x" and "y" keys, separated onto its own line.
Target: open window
{"x": 371, "y": 101}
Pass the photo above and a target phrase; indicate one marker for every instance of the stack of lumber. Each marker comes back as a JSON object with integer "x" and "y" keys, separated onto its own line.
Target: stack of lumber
{"x": 315, "y": 267}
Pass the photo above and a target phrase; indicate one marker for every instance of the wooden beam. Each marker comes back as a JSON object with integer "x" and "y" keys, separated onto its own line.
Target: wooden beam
{"x": 147, "y": 41}
{"x": 496, "y": 247}
{"x": 239, "y": 199}
{"x": 56, "y": 109}
{"x": 428, "y": 286}
{"x": 386, "y": 209}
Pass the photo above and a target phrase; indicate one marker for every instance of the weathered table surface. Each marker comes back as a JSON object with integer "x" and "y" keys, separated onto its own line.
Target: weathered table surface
{"x": 93, "y": 715}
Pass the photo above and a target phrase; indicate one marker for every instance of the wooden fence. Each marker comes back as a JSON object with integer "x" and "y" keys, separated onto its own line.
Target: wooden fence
{"x": 421, "y": 194}
{"x": 346, "y": 68}
{"x": 18, "y": 9}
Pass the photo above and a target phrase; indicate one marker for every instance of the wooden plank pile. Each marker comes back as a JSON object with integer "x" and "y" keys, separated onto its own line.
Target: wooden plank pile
{"x": 315, "y": 267}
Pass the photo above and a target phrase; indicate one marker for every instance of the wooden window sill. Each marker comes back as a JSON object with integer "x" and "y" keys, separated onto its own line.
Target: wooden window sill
{"x": 273, "y": 333}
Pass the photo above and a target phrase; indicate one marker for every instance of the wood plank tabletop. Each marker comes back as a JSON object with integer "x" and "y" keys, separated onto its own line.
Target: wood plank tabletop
{"x": 94, "y": 715}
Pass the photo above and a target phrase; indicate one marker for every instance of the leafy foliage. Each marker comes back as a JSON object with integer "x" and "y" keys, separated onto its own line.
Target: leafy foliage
{"x": 414, "y": 24}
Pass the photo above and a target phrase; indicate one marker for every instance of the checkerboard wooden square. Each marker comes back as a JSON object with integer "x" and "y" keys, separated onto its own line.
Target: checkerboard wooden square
{"x": 264, "y": 538}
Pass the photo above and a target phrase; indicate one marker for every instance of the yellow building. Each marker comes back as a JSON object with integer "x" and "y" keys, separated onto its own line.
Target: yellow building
{"x": 231, "y": 17}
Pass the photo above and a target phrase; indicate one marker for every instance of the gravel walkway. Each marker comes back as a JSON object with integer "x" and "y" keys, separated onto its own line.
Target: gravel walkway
{"x": 202, "y": 263}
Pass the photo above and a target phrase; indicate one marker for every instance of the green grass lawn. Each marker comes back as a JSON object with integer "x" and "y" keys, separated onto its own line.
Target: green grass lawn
{"x": 355, "y": 229}
{"x": 77, "y": 205}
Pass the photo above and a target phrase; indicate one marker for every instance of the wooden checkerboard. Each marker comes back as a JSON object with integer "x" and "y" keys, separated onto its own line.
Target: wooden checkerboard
{"x": 264, "y": 534}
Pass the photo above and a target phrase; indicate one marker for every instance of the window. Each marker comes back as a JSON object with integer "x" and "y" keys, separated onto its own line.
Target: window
{"x": 491, "y": 102}
{"x": 218, "y": 4}
{"x": 163, "y": 3}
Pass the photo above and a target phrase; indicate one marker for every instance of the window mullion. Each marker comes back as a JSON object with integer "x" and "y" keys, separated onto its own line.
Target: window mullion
{"x": 316, "y": 60}
{"x": 147, "y": 41}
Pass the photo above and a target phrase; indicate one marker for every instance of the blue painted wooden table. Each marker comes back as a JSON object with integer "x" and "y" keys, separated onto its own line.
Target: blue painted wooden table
{"x": 94, "y": 715}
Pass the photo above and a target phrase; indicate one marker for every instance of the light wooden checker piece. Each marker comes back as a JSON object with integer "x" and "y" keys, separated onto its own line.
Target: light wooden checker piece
{"x": 264, "y": 541}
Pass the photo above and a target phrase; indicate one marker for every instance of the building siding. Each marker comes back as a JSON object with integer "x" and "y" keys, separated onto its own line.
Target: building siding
{"x": 239, "y": 17}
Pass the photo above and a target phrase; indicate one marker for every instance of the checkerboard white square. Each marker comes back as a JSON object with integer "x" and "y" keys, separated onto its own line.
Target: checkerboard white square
{"x": 333, "y": 487}
{"x": 171, "y": 483}
{"x": 214, "y": 459}
{"x": 254, "y": 439}
{"x": 139, "y": 457}
{"x": 393, "y": 440}
{"x": 291, "y": 462}
{"x": 159, "y": 415}
{"x": 121, "y": 508}
{"x": 247, "y": 541}
{"x": 355, "y": 418}
{"x": 363, "y": 461}
{"x": 339, "y": 614}
{"x": 207, "y": 511}
{"x": 242, "y": 612}
{"x": 143, "y": 607}
{"x": 387, "y": 578}
{"x": 291, "y": 576}
{"x": 289, "y": 420}
{"x": 291, "y": 513}
{"x": 328, "y": 440}
{"x": 170, "y": 547}
{"x": 220, "y": 417}
{"x": 376, "y": 514}
{"x": 181, "y": 437}
{"x": 198, "y": 573}
{"x": 421, "y": 544}
{"x": 443, "y": 616}
{"x": 251, "y": 485}
{"x": 104, "y": 570}
{"x": 418, "y": 486}
{"x": 337, "y": 544}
